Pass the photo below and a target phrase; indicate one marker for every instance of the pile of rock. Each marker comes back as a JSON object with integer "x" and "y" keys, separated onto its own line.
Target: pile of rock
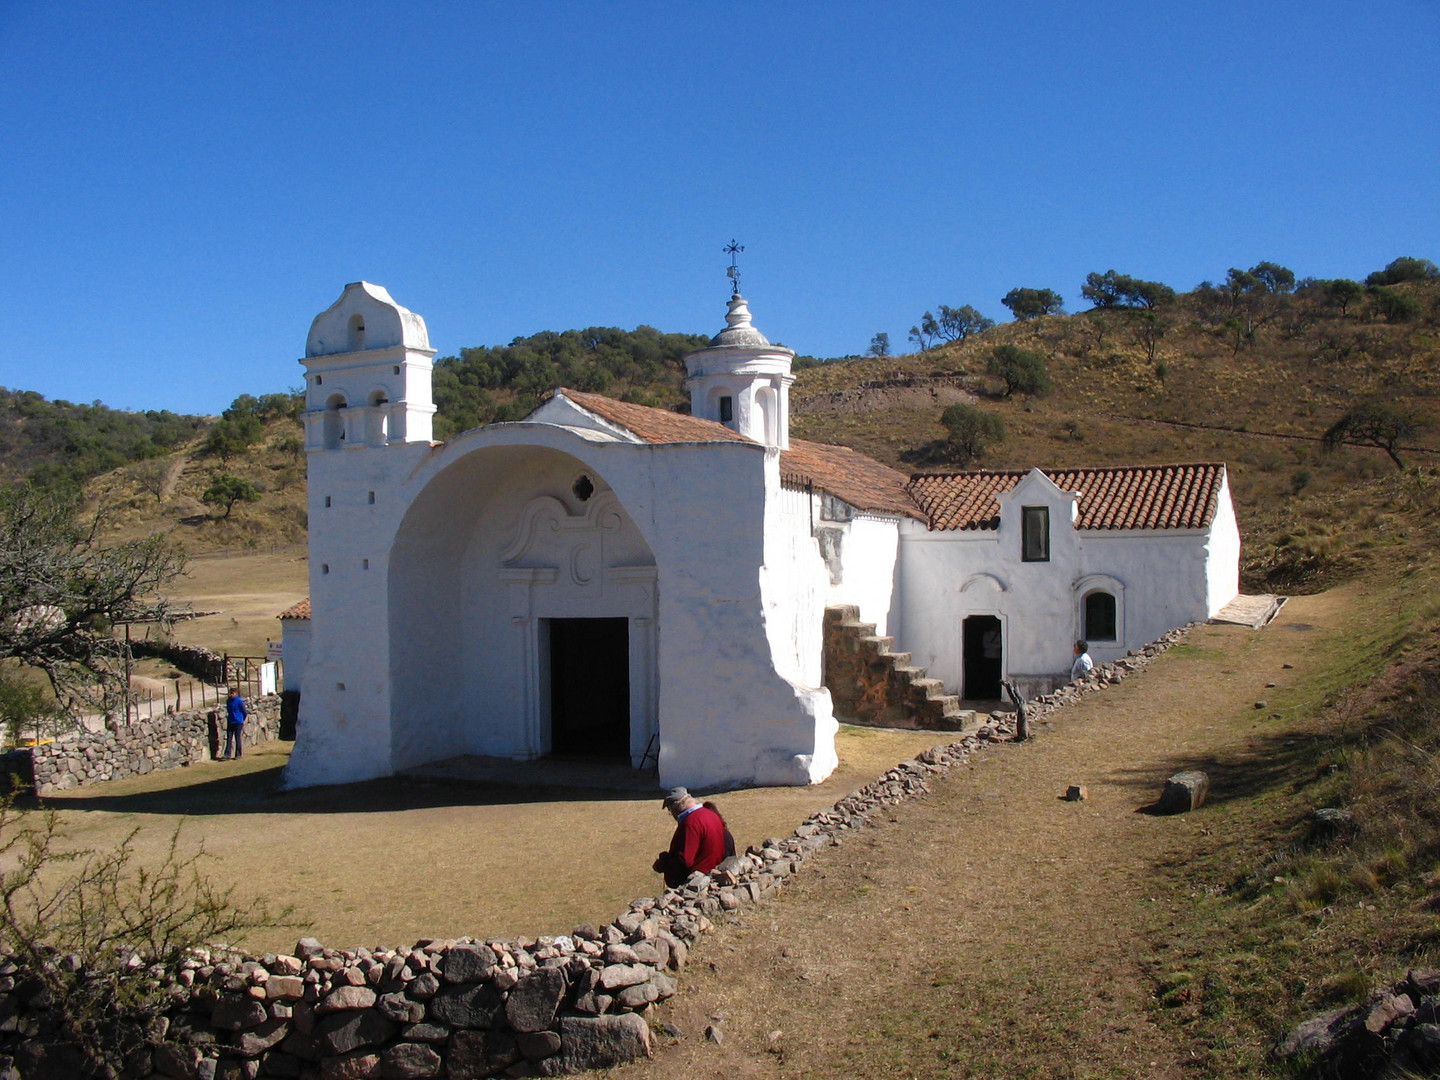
{"x": 140, "y": 747}
{"x": 1395, "y": 1033}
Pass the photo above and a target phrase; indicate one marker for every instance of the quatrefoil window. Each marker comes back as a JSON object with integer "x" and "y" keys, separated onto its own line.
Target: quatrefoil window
{"x": 583, "y": 488}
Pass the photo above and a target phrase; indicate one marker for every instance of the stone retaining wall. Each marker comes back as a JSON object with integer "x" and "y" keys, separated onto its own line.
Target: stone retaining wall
{"x": 471, "y": 1007}
{"x": 194, "y": 660}
{"x": 142, "y": 746}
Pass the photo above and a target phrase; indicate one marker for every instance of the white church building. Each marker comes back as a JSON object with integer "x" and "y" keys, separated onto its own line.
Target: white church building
{"x": 611, "y": 580}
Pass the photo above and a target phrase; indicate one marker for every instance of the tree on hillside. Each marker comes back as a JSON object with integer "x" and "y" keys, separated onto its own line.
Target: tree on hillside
{"x": 1112, "y": 289}
{"x": 1341, "y": 293}
{"x": 954, "y": 324}
{"x": 957, "y": 324}
{"x": 1394, "y": 305}
{"x": 971, "y": 430}
{"x": 1027, "y": 304}
{"x": 1019, "y": 369}
{"x": 61, "y": 591}
{"x": 925, "y": 334}
{"x": 1373, "y": 423}
{"x": 1149, "y": 329}
{"x": 226, "y": 489}
{"x": 1273, "y": 278}
{"x": 232, "y": 436}
{"x": 1398, "y": 271}
{"x": 879, "y": 345}
{"x": 152, "y": 475}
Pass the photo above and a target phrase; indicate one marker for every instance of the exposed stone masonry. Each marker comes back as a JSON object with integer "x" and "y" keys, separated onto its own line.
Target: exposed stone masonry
{"x": 142, "y": 746}
{"x": 871, "y": 684}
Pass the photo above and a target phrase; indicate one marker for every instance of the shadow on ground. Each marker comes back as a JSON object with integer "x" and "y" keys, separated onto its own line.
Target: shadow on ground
{"x": 460, "y": 782}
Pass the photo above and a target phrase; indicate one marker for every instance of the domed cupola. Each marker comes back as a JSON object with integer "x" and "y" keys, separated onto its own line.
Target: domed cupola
{"x": 743, "y": 381}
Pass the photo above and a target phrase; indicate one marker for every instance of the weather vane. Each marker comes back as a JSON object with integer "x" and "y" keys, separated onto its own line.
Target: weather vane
{"x": 733, "y": 271}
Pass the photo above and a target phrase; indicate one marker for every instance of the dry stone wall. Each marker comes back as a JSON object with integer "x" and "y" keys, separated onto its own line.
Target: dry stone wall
{"x": 472, "y": 1007}
{"x": 194, "y": 660}
{"x": 139, "y": 747}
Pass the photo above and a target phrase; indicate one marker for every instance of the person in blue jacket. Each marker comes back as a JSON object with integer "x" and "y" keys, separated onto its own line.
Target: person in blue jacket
{"x": 235, "y": 725}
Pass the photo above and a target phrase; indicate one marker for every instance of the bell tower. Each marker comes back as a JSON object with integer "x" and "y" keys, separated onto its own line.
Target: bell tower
{"x": 367, "y": 373}
{"x": 741, "y": 380}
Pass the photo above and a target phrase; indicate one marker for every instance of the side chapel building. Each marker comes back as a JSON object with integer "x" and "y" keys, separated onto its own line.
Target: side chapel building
{"x": 609, "y": 579}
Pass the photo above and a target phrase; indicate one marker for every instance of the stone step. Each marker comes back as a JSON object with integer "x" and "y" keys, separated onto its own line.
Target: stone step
{"x": 928, "y": 687}
{"x": 901, "y": 659}
{"x": 878, "y": 642}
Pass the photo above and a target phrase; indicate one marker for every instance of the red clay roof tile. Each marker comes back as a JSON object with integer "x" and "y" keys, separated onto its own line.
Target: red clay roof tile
{"x": 651, "y": 424}
{"x": 1138, "y": 497}
{"x": 300, "y": 610}
{"x": 847, "y": 474}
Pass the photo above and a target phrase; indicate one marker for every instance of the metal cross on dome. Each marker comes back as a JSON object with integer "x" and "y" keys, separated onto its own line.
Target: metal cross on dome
{"x": 733, "y": 271}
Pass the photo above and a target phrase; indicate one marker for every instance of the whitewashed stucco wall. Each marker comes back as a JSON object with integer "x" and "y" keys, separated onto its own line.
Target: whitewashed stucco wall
{"x": 425, "y": 634}
{"x": 1223, "y": 564}
{"x": 1160, "y": 579}
{"x": 869, "y": 546}
{"x": 294, "y": 651}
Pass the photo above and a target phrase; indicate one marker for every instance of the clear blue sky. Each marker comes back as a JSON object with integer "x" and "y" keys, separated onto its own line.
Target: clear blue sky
{"x": 184, "y": 186}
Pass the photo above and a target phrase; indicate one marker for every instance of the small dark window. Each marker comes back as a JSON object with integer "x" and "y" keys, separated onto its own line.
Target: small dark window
{"x": 583, "y": 488}
{"x": 372, "y": 498}
{"x": 727, "y": 409}
{"x": 324, "y": 567}
{"x": 1099, "y": 617}
{"x": 1035, "y": 533}
{"x": 319, "y": 380}
{"x": 397, "y": 369}
{"x": 364, "y": 564}
{"x": 327, "y": 500}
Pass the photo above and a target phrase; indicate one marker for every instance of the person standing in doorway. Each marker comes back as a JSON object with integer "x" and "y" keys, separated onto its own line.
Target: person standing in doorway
{"x": 234, "y": 725}
{"x": 698, "y": 843}
{"x": 1083, "y": 664}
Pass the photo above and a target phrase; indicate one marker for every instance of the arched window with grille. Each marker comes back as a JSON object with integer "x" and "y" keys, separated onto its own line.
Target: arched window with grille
{"x": 1100, "y": 623}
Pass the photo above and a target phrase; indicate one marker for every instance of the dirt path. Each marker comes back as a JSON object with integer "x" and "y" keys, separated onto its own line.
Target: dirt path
{"x": 992, "y": 930}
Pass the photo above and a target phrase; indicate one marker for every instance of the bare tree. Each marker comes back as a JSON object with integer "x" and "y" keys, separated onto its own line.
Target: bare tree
{"x": 61, "y": 591}
{"x": 101, "y": 936}
{"x": 1373, "y": 423}
{"x": 152, "y": 475}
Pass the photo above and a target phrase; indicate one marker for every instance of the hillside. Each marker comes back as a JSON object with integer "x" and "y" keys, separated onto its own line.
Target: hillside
{"x": 1253, "y": 380}
{"x": 1142, "y": 387}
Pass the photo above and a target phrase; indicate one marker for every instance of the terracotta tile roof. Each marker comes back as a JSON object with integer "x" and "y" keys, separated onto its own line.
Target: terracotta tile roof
{"x": 651, "y": 424}
{"x": 1141, "y": 497}
{"x": 296, "y": 611}
{"x": 861, "y": 481}
{"x": 847, "y": 474}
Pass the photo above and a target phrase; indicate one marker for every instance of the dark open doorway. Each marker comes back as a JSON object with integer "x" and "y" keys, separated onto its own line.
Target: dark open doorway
{"x": 590, "y": 687}
{"x": 982, "y": 658}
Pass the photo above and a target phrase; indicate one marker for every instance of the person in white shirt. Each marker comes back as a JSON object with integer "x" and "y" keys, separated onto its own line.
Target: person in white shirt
{"x": 1083, "y": 664}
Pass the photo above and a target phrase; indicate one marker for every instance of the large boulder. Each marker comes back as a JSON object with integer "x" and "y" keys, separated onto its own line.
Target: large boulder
{"x": 1185, "y": 791}
{"x": 597, "y": 1043}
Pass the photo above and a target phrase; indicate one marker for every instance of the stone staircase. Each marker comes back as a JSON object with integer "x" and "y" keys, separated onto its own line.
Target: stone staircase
{"x": 873, "y": 685}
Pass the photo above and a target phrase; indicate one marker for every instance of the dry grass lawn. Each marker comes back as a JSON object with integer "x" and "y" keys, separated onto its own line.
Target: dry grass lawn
{"x": 388, "y": 862}
{"x": 248, "y": 590}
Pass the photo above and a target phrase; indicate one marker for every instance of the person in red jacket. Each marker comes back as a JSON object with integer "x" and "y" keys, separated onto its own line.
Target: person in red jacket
{"x": 699, "y": 840}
